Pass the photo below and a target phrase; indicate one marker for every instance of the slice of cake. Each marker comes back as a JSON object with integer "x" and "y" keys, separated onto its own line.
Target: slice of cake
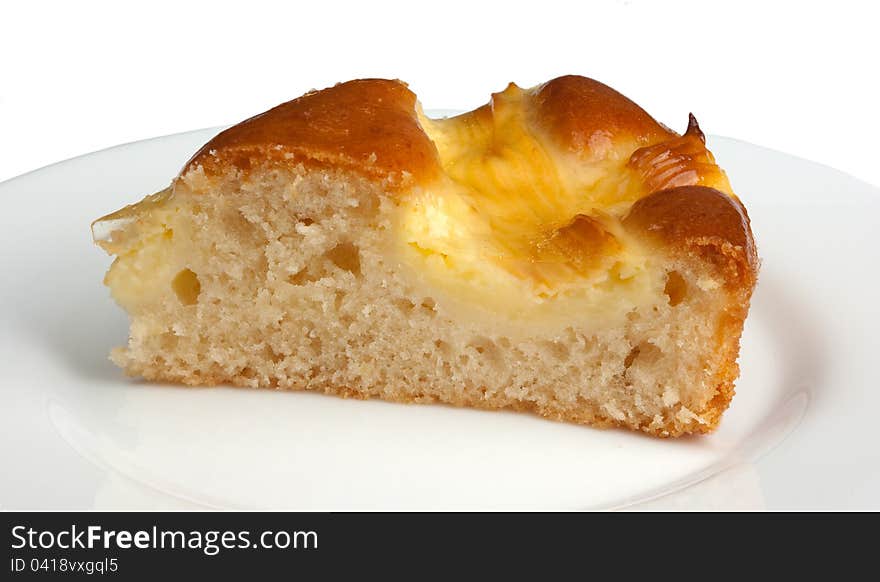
{"x": 556, "y": 251}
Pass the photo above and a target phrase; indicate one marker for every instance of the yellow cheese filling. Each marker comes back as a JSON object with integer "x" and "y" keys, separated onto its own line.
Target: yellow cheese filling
{"x": 520, "y": 228}
{"x": 148, "y": 252}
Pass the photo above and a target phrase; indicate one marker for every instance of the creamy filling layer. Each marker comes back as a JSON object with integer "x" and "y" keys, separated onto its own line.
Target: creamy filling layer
{"x": 517, "y": 228}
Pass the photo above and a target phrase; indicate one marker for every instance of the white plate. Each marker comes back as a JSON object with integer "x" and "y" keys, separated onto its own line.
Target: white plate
{"x": 77, "y": 434}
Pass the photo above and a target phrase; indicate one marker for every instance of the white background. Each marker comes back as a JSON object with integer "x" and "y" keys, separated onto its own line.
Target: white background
{"x": 80, "y": 76}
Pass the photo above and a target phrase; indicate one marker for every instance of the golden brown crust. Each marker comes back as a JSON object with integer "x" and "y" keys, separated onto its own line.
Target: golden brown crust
{"x": 701, "y": 221}
{"x": 587, "y": 118}
{"x": 368, "y": 125}
{"x": 371, "y": 126}
{"x": 679, "y": 161}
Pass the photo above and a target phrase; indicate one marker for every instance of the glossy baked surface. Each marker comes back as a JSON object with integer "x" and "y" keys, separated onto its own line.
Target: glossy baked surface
{"x": 537, "y": 184}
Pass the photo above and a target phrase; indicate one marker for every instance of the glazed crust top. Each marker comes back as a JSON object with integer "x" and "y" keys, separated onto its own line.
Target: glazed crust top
{"x": 366, "y": 125}
{"x": 375, "y": 127}
{"x": 588, "y": 118}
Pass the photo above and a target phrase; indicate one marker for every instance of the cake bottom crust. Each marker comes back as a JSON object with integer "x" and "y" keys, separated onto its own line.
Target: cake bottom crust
{"x": 584, "y": 412}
